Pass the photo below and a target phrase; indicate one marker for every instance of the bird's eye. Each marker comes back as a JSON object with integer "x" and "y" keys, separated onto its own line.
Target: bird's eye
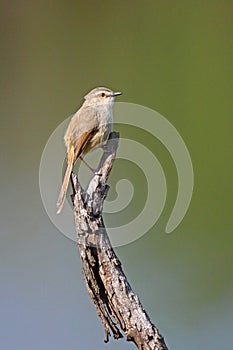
{"x": 103, "y": 94}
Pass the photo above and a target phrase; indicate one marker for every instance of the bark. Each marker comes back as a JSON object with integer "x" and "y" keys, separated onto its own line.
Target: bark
{"x": 118, "y": 307}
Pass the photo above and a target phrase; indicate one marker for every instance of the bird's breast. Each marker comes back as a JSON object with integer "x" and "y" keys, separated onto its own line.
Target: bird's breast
{"x": 104, "y": 127}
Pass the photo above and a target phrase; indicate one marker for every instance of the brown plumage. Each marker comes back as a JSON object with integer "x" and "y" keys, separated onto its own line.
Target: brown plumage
{"x": 88, "y": 129}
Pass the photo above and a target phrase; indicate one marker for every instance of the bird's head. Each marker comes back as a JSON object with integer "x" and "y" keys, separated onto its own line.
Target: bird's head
{"x": 101, "y": 96}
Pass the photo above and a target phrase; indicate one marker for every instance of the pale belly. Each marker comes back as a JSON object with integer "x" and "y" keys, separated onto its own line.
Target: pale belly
{"x": 101, "y": 135}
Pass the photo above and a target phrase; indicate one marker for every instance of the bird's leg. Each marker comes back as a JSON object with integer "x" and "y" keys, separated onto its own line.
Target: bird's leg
{"x": 89, "y": 167}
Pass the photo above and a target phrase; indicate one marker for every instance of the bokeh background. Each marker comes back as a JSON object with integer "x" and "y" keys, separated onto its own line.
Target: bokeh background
{"x": 172, "y": 56}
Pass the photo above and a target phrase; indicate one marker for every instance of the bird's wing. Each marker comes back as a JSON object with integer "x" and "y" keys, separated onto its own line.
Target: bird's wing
{"x": 83, "y": 125}
{"x": 84, "y": 139}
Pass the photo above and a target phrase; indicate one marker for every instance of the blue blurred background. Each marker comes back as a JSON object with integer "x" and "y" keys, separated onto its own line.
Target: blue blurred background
{"x": 172, "y": 56}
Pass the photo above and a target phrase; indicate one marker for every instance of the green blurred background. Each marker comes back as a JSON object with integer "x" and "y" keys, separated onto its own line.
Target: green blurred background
{"x": 172, "y": 56}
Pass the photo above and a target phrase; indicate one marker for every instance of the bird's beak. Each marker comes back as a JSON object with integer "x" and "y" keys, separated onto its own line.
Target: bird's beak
{"x": 116, "y": 94}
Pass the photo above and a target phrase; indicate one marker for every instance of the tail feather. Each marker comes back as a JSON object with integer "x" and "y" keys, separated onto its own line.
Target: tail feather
{"x": 65, "y": 183}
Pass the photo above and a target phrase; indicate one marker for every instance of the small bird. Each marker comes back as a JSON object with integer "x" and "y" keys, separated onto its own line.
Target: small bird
{"x": 89, "y": 128}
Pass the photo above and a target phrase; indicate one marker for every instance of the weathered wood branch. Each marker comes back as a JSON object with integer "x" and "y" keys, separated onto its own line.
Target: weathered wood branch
{"x": 116, "y": 303}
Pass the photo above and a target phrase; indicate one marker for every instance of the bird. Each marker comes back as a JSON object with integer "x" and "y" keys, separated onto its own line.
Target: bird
{"x": 88, "y": 129}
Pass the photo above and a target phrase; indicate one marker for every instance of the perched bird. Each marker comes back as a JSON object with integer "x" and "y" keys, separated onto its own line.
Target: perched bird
{"x": 88, "y": 129}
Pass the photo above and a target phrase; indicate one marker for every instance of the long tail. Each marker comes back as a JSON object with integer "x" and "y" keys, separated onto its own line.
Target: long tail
{"x": 65, "y": 183}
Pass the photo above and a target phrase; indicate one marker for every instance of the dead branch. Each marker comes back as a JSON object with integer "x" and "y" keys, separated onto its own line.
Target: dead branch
{"x": 117, "y": 305}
